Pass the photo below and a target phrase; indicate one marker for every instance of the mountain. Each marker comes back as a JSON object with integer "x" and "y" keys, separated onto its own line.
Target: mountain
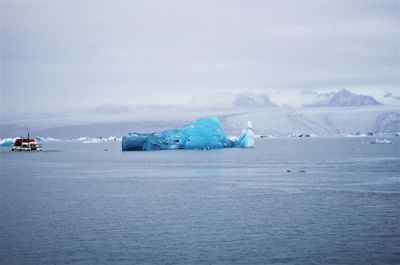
{"x": 113, "y": 109}
{"x": 279, "y": 121}
{"x": 343, "y": 98}
{"x": 319, "y": 121}
{"x": 234, "y": 110}
{"x": 215, "y": 100}
{"x": 390, "y": 95}
{"x": 252, "y": 100}
{"x": 229, "y": 100}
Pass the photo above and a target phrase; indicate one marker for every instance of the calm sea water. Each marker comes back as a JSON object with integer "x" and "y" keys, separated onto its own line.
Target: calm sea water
{"x": 79, "y": 204}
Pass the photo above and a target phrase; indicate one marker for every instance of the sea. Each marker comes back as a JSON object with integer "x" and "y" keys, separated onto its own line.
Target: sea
{"x": 287, "y": 201}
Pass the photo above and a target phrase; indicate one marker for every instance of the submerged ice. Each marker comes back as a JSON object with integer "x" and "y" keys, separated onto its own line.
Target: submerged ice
{"x": 205, "y": 133}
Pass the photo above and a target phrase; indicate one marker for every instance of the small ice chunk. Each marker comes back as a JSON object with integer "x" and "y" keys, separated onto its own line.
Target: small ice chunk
{"x": 381, "y": 141}
{"x": 47, "y": 139}
{"x": 94, "y": 140}
{"x": 246, "y": 139}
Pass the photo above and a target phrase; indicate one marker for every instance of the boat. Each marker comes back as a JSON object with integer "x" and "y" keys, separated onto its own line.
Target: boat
{"x": 26, "y": 144}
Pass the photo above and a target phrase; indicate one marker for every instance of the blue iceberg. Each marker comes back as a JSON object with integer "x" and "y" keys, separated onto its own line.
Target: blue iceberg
{"x": 7, "y": 142}
{"x": 204, "y": 133}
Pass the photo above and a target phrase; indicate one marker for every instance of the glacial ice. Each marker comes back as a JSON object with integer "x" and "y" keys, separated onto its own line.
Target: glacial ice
{"x": 47, "y": 139}
{"x": 7, "y": 142}
{"x": 381, "y": 141}
{"x": 204, "y": 133}
{"x": 95, "y": 140}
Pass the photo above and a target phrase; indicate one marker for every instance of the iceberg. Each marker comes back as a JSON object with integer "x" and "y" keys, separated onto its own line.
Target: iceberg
{"x": 246, "y": 139}
{"x": 356, "y": 135}
{"x": 47, "y": 139}
{"x": 381, "y": 141}
{"x": 205, "y": 133}
{"x": 96, "y": 140}
{"x": 93, "y": 141}
{"x": 114, "y": 138}
{"x": 7, "y": 142}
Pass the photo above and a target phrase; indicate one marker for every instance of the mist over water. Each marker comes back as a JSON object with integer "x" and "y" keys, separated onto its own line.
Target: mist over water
{"x": 79, "y": 204}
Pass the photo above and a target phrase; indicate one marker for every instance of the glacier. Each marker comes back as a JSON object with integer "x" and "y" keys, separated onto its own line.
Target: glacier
{"x": 205, "y": 133}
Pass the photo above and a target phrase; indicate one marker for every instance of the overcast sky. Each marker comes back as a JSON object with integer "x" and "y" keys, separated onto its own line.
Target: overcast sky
{"x": 77, "y": 54}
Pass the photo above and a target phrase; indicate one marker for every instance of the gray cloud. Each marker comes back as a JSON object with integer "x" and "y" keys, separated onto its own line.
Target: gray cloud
{"x": 70, "y": 54}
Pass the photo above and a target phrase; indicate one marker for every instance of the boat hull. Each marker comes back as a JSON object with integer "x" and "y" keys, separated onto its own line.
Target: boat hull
{"x": 19, "y": 148}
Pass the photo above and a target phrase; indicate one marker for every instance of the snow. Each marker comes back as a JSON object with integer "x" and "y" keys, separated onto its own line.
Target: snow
{"x": 317, "y": 121}
{"x": 204, "y": 133}
{"x": 229, "y": 100}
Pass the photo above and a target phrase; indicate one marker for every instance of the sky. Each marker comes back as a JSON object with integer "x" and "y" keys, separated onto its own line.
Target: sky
{"x": 58, "y": 55}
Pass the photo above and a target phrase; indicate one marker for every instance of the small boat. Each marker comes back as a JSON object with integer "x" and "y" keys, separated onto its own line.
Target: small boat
{"x": 26, "y": 144}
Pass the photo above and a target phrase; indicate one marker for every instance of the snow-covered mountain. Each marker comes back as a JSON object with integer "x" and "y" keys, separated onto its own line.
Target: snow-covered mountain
{"x": 326, "y": 121}
{"x": 215, "y": 100}
{"x": 358, "y": 113}
{"x": 229, "y": 100}
{"x": 390, "y": 95}
{"x": 111, "y": 109}
{"x": 252, "y": 100}
{"x": 279, "y": 121}
{"x": 343, "y": 98}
